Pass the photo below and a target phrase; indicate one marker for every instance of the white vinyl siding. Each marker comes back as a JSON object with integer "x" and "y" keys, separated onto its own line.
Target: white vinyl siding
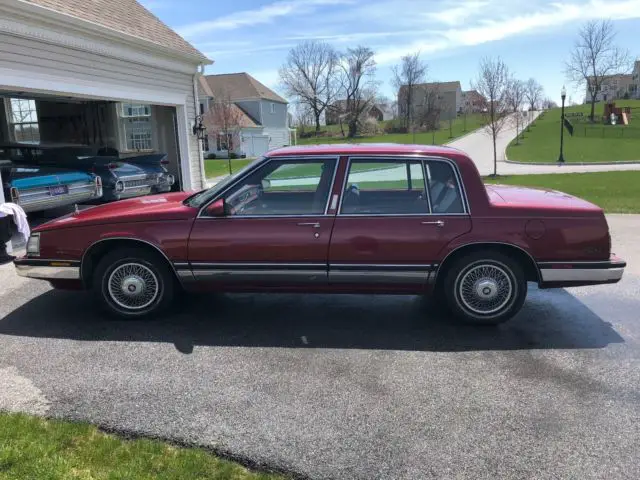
{"x": 29, "y": 58}
{"x": 278, "y": 137}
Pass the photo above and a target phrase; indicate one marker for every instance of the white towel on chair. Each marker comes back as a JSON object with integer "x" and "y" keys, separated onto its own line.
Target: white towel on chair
{"x": 19, "y": 218}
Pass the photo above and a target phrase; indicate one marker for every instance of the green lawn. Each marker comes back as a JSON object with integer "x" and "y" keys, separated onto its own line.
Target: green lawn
{"x": 33, "y": 448}
{"x": 590, "y": 143}
{"x": 220, "y": 166}
{"x": 427, "y": 138}
{"x": 615, "y": 192}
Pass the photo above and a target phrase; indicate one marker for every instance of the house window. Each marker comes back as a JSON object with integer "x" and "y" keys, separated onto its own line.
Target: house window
{"x": 205, "y": 143}
{"x": 201, "y": 108}
{"x": 272, "y": 107}
{"x": 23, "y": 120}
{"x": 225, "y": 141}
{"x": 136, "y": 120}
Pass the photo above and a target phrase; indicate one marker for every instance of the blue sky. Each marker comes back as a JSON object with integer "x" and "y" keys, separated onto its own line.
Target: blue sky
{"x": 534, "y": 37}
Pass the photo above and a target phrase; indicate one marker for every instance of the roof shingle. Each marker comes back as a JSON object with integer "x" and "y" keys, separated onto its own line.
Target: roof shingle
{"x": 242, "y": 86}
{"x": 123, "y": 16}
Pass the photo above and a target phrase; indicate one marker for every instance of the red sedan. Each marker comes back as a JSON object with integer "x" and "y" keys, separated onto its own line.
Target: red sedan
{"x": 392, "y": 219}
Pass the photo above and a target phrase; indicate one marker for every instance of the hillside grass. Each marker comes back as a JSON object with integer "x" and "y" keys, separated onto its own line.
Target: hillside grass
{"x": 437, "y": 137}
{"x": 590, "y": 143}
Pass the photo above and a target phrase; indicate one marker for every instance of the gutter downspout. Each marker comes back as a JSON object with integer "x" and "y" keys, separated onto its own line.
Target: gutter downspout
{"x": 196, "y": 106}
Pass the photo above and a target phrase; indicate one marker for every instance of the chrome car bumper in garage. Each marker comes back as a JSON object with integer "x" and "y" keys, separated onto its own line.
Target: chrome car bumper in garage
{"x": 48, "y": 269}
{"x": 581, "y": 273}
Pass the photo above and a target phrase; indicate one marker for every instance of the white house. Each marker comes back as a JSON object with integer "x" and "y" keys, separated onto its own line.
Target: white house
{"x": 261, "y": 114}
{"x": 105, "y": 72}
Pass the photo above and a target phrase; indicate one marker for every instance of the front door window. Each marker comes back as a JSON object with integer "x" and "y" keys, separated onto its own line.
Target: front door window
{"x": 283, "y": 187}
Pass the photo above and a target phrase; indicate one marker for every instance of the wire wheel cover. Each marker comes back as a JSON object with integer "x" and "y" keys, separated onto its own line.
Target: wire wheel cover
{"x": 133, "y": 286}
{"x": 485, "y": 288}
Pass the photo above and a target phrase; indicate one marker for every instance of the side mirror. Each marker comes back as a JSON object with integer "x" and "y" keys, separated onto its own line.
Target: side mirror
{"x": 216, "y": 209}
{"x": 266, "y": 184}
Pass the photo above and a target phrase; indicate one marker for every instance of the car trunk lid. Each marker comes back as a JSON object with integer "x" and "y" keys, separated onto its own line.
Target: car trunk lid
{"x": 543, "y": 198}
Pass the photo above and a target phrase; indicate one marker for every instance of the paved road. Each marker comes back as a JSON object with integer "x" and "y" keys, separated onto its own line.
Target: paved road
{"x": 349, "y": 387}
{"x": 479, "y": 147}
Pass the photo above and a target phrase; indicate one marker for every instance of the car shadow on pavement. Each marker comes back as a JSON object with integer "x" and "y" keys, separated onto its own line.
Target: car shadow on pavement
{"x": 552, "y": 319}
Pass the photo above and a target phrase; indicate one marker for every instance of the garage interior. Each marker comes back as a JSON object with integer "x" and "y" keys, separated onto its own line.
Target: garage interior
{"x": 130, "y": 128}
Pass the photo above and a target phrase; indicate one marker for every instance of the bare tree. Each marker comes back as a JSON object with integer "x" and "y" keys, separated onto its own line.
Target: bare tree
{"x": 533, "y": 93}
{"x": 224, "y": 120}
{"x": 428, "y": 115}
{"x": 547, "y": 103}
{"x": 410, "y": 72}
{"x": 309, "y": 76}
{"x": 493, "y": 84}
{"x": 516, "y": 94}
{"x": 357, "y": 84}
{"x": 594, "y": 57}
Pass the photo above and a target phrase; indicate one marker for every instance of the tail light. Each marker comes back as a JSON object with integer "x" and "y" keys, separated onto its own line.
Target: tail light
{"x": 164, "y": 161}
{"x": 112, "y": 166}
{"x": 15, "y": 195}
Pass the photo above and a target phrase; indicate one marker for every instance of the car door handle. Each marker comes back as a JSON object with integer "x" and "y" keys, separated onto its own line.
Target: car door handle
{"x": 309, "y": 224}
{"x": 437, "y": 223}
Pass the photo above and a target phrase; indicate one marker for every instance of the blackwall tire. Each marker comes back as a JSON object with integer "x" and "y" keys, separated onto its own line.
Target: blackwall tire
{"x": 134, "y": 283}
{"x": 486, "y": 288}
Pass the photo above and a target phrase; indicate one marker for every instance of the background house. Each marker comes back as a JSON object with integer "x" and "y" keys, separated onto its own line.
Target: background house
{"x": 634, "y": 88}
{"x": 614, "y": 87}
{"x": 337, "y": 110}
{"x": 111, "y": 74}
{"x": 446, "y": 97}
{"x": 473, "y": 102}
{"x": 257, "y": 117}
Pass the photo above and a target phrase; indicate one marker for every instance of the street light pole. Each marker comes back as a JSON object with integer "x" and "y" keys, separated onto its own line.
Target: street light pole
{"x": 563, "y": 95}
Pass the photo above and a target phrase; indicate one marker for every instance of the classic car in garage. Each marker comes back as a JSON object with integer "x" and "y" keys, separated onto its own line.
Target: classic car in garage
{"x": 133, "y": 176}
{"x": 392, "y": 219}
{"x": 36, "y": 188}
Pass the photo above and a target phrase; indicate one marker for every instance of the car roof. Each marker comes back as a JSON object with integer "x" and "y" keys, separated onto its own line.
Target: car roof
{"x": 367, "y": 149}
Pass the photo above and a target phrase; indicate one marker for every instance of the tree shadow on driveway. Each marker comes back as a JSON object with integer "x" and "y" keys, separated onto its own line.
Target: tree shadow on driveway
{"x": 551, "y": 319}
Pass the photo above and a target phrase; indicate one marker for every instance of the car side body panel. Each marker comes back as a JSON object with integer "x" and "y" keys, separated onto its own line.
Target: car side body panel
{"x": 347, "y": 253}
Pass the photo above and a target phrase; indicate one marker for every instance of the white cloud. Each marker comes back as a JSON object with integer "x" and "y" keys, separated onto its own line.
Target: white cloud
{"x": 507, "y": 25}
{"x": 245, "y": 51}
{"x": 262, "y": 15}
{"x": 458, "y": 13}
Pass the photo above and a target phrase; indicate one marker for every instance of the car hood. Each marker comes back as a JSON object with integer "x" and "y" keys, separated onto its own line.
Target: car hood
{"x": 165, "y": 207}
{"x": 537, "y": 198}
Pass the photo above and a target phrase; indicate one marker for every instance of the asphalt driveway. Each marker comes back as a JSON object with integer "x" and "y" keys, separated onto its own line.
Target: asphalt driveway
{"x": 348, "y": 387}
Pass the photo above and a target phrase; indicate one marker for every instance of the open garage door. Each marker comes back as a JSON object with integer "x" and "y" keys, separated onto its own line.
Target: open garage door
{"x": 130, "y": 129}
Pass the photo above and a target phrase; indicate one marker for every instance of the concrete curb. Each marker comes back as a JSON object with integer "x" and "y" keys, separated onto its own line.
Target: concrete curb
{"x": 580, "y": 164}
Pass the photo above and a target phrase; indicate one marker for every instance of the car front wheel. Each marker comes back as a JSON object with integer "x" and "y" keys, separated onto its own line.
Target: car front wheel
{"x": 133, "y": 283}
{"x": 485, "y": 288}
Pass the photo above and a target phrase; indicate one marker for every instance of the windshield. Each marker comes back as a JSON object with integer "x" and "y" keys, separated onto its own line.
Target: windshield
{"x": 204, "y": 196}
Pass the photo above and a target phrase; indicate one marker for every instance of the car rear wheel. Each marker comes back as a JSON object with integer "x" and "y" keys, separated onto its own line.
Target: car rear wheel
{"x": 134, "y": 283}
{"x": 485, "y": 288}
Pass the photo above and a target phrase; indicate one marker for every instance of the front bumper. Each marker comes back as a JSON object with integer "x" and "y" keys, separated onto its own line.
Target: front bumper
{"x": 555, "y": 274}
{"x": 42, "y": 269}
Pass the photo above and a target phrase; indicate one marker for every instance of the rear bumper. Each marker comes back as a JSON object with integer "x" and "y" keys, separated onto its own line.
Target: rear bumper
{"x": 47, "y": 269}
{"x": 567, "y": 274}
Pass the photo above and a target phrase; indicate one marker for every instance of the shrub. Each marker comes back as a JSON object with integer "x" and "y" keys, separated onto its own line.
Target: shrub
{"x": 233, "y": 155}
{"x": 370, "y": 127}
{"x": 211, "y": 156}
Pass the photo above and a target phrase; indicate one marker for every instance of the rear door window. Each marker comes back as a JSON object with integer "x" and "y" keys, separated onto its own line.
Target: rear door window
{"x": 444, "y": 188}
{"x": 385, "y": 187}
